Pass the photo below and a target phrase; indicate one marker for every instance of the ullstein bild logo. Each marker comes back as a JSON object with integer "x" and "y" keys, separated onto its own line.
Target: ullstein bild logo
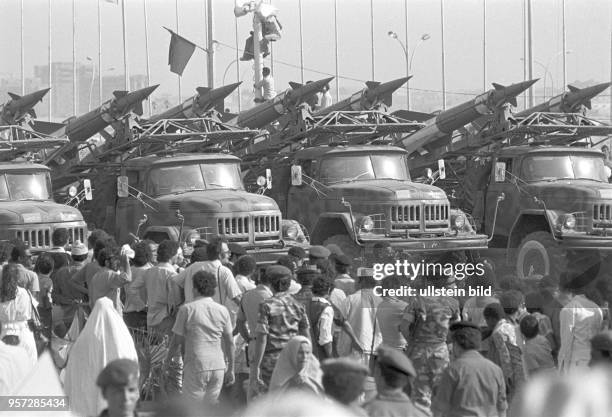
{"x": 412, "y": 270}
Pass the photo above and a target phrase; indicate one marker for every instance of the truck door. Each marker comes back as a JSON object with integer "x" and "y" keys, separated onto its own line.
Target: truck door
{"x": 502, "y": 181}
{"x": 304, "y": 202}
{"x": 129, "y": 210}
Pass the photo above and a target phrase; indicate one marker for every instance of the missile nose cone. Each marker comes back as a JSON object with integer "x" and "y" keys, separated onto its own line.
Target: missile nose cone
{"x": 225, "y": 90}
{"x": 514, "y": 90}
{"x": 596, "y": 89}
{"x": 33, "y": 98}
{"x": 391, "y": 86}
{"x": 141, "y": 94}
{"x": 41, "y": 93}
{"x": 308, "y": 89}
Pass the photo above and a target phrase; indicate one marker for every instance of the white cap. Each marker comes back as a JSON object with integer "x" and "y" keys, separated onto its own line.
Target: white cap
{"x": 127, "y": 250}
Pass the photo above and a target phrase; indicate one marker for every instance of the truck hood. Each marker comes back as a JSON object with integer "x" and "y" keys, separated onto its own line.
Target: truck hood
{"x": 562, "y": 192}
{"x": 217, "y": 201}
{"x": 20, "y": 212}
{"x": 385, "y": 190}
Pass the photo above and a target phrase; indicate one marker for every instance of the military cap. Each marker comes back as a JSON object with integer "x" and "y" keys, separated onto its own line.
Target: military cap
{"x": 297, "y": 252}
{"x": 602, "y": 341}
{"x": 236, "y": 249}
{"x": 334, "y": 249}
{"x": 277, "y": 271}
{"x": 119, "y": 372}
{"x": 79, "y": 249}
{"x": 288, "y": 262}
{"x": 395, "y": 359}
{"x": 340, "y": 365}
{"x": 465, "y": 330}
{"x": 343, "y": 260}
{"x": 319, "y": 252}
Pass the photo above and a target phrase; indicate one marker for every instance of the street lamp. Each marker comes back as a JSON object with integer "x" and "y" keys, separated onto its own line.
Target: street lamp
{"x": 547, "y": 72}
{"x": 423, "y": 38}
{"x": 93, "y": 75}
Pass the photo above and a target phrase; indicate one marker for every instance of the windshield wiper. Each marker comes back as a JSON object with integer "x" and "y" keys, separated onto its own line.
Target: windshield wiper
{"x": 589, "y": 179}
{"x": 226, "y": 187}
{"x": 559, "y": 179}
{"x": 359, "y": 176}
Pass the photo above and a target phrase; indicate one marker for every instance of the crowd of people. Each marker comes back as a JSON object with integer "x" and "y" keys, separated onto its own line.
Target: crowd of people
{"x": 227, "y": 336}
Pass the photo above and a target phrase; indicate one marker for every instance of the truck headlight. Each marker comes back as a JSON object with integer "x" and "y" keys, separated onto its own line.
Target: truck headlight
{"x": 367, "y": 224}
{"x": 569, "y": 221}
{"x": 458, "y": 221}
{"x": 290, "y": 229}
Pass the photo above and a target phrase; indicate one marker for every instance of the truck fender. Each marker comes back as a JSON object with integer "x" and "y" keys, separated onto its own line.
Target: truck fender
{"x": 330, "y": 224}
{"x": 530, "y": 221}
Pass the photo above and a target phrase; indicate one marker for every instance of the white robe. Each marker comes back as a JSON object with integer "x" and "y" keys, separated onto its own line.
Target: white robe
{"x": 104, "y": 338}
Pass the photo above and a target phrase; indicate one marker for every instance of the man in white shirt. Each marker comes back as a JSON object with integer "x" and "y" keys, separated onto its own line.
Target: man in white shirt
{"x": 227, "y": 289}
{"x": 267, "y": 83}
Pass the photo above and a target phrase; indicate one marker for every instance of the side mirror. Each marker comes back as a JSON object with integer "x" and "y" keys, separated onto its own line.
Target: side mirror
{"x": 87, "y": 188}
{"x": 268, "y": 178}
{"x": 500, "y": 171}
{"x": 122, "y": 186}
{"x": 296, "y": 175}
{"x": 441, "y": 169}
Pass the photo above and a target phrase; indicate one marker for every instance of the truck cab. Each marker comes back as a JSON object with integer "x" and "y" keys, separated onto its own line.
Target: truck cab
{"x": 557, "y": 199}
{"x": 186, "y": 197}
{"x": 27, "y": 210}
{"x": 356, "y": 196}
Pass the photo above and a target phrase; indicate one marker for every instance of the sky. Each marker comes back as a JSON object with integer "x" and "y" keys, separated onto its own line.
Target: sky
{"x": 588, "y": 29}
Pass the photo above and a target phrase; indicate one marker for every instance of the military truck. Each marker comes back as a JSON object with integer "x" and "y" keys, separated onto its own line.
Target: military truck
{"x": 357, "y": 195}
{"x": 27, "y": 210}
{"x": 556, "y": 203}
{"x": 185, "y": 197}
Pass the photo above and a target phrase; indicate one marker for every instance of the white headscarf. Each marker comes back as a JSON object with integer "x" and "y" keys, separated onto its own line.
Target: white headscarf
{"x": 286, "y": 367}
{"x": 104, "y": 338}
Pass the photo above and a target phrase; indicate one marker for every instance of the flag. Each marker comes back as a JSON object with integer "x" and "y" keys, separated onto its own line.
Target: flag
{"x": 180, "y": 53}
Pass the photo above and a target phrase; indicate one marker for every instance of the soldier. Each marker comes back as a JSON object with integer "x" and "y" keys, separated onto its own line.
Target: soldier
{"x": 280, "y": 318}
{"x": 601, "y": 349}
{"x": 392, "y": 373}
{"x": 298, "y": 254}
{"x": 425, "y": 325}
{"x": 343, "y": 280}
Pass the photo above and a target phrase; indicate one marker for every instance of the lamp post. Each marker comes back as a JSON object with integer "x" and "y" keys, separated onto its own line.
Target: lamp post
{"x": 423, "y": 38}
{"x": 93, "y": 75}
{"x": 550, "y": 61}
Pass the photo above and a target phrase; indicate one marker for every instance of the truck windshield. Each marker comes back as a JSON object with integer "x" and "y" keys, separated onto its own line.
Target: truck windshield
{"x": 563, "y": 167}
{"x": 25, "y": 186}
{"x": 364, "y": 167}
{"x": 174, "y": 179}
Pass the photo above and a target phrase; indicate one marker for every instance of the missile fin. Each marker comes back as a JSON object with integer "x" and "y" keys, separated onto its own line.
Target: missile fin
{"x": 203, "y": 90}
{"x": 498, "y": 86}
{"x": 295, "y": 85}
{"x": 372, "y": 84}
{"x": 120, "y": 93}
{"x": 138, "y": 108}
{"x": 32, "y": 113}
{"x": 388, "y": 100}
{"x": 14, "y": 96}
{"x": 573, "y": 89}
{"x": 587, "y": 104}
{"x": 512, "y": 100}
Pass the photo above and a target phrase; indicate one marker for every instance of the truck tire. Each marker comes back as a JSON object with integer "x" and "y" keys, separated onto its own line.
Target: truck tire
{"x": 540, "y": 252}
{"x": 348, "y": 247}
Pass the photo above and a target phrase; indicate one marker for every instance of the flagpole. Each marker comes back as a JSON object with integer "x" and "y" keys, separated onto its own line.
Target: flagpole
{"x": 176, "y": 12}
{"x": 484, "y": 45}
{"x": 530, "y": 52}
{"x": 443, "y": 56}
{"x": 336, "y": 49}
{"x": 22, "y": 48}
{"x": 50, "y": 70}
{"x": 210, "y": 46}
{"x": 74, "y": 69}
{"x": 372, "y": 34}
{"x": 237, "y": 64}
{"x": 144, "y": 10}
{"x": 125, "y": 51}
{"x": 301, "y": 42}
{"x": 407, "y": 61}
{"x": 564, "y": 45}
{"x": 99, "y": 52}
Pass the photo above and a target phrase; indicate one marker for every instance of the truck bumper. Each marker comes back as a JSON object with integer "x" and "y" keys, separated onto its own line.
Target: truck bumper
{"x": 438, "y": 244}
{"x": 270, "y": 255}
{"x": 585, "y": 242}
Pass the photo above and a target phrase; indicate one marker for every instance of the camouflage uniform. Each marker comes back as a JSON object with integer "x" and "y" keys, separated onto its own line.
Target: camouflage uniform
{"x": 429, "y": 319}
{"x": 280, "y": 318}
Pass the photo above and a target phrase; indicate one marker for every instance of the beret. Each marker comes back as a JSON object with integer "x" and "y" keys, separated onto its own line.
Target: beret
{"x": 236, "y": 249}
{"x": 118, "y": 372}
{"x": 338, "y": 365}
{"x": 277, "y": 271}
{"x": 343, "y": 260}
{"x": 319, "y": 252}
{"x": 297, "y": 251}
{"x": 395, "y": 359}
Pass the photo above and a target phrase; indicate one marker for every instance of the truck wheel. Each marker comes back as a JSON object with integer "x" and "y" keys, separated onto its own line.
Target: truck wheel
{"x": 539, "y": 254}
{"x": 348, "y": 247}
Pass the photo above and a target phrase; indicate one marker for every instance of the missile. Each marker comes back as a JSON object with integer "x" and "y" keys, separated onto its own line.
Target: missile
{"x": 370, "y": 97}
{"x": 198, "y": 105}
{"x": 13, "y": 111}
{"x": 442, "y": 126}
{"x": 265, "y": 113}
{"x": 83, "y": 127}
{"x": 568, "y": 102}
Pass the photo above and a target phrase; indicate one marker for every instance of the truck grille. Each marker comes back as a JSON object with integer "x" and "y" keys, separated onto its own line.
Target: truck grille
{"x": 41, "y": 238}
{"x": 418, "y": 217}
{"x": 602, "y": 215}
{"x": 265, "y": 227}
